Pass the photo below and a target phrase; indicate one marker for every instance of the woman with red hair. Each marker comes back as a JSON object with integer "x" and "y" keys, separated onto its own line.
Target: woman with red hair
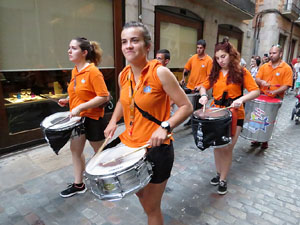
{"x": 228, "y": 79}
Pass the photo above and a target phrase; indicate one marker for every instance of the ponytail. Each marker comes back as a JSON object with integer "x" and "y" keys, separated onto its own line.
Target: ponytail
{"x": 96, "y": 53}
{"x": 93, "y": 48}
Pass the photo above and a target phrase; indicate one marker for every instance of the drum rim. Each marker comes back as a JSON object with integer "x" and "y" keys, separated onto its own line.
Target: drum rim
{"x": 52, "y": 127}
{"x": 117, "y": 170}
{"x": 212, "y": 118}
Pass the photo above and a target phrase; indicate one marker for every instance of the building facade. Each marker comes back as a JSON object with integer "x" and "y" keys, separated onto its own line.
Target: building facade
{"x": 34, "y": 68}
{"x": 277, "y": 22}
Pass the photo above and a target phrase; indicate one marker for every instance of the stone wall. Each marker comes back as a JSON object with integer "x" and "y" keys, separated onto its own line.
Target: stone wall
{"x": 212, "y": 18}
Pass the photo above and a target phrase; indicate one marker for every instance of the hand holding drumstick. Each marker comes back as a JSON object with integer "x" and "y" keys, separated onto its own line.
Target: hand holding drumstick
{"x": 129, "y": 153}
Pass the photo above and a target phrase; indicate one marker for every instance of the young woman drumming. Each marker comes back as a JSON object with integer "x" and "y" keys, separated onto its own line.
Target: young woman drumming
{"x": 150, "y": 86}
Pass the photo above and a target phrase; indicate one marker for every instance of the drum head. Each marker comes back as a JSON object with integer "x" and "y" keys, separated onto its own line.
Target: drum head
{"x": 61, "y": 120}
{"x": 268, "y": 99}
{"x": 209, "y": 114}
{"x": 112, "y": 160}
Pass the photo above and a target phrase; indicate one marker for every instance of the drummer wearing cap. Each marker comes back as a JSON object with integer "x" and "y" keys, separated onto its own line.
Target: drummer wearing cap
{"x": 149, "y": 86}
{"x": 228, "y": 79}
{"x": 274, "y": 78}
{"x": 87, "y": 92}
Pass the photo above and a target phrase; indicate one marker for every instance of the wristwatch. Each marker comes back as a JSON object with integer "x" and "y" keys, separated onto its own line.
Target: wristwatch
{"x": 166, "y": 125}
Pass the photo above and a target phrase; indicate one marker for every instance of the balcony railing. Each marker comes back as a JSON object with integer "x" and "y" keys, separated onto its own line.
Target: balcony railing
{"x": 247, "y": 6}
{"x": 291, "y": 10}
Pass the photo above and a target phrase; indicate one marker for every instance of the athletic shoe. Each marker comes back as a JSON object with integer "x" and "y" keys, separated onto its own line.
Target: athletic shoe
{"x": 264, "y": 145}
{"x": 222, "y": 189}
{"x": 73, "y": 189}
{"x": 215, "y": 180}
{"x": 255, "y": 143}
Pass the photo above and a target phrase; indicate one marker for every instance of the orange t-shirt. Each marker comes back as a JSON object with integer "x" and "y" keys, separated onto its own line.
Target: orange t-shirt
{"x": 199, "y": 70}
{"x": 89, "y": 84}
{"x": 150, "y": 97}
{"x": 233, "y": 90}
{"x": 279, "y": 76}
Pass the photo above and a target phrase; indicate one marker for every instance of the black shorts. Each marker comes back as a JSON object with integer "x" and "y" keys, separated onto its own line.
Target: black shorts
{"x": 240, "y": 122}
{"x": 161, "y": 158}
{"x": 94, "y": 129}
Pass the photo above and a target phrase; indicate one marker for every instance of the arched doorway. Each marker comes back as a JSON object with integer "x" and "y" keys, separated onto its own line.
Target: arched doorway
{"x": 234, "y": 33}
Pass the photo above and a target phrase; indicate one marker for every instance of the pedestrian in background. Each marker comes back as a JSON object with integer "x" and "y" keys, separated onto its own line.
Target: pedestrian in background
{"x": 87, "y": 91}
{"x": 254, "y": 66}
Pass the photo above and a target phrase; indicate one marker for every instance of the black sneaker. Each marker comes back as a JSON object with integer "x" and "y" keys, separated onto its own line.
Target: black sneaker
{"x": 222, "y": 189}
{"x": 255, "y": 144}
{"x": 73, "y": 189}
{"x": 215, "y": 180}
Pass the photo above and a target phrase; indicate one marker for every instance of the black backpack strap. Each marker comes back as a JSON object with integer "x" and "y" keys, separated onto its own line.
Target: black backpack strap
{"x": 147, "y": 115}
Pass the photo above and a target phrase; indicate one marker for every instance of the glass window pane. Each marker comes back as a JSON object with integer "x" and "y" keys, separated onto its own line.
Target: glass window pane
{"x": 35, "y": 34}
{"x": 232, "y": 40}
{"x": 180, "y": 41}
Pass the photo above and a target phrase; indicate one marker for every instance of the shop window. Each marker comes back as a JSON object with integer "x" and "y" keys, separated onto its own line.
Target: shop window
{"x": 234, "y": 34}
{"x": 34, "y": 65}
{"x": 35, "y": 34}
{"x": 177, "y": 30}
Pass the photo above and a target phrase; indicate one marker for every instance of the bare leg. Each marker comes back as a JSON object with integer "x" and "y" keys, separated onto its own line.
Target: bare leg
{"x": 150, "y": 198}
{"x": 96, "y": 145}
{"x": 77, "y": 146}
{"x": 223, "y": 156}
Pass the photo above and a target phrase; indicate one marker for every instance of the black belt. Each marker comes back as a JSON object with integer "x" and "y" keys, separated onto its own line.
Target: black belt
{"x": 225, "y": 102}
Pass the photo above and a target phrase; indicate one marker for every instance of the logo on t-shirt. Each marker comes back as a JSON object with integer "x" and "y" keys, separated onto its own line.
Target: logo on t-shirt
{"x": 277, "y": 74}
{"x": 203, "y": 66}
{"x": 83, "y": 81}
{"x": 147, "y": 89}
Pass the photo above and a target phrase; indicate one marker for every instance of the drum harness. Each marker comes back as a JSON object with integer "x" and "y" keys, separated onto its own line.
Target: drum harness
{"x": 224, "y": 101}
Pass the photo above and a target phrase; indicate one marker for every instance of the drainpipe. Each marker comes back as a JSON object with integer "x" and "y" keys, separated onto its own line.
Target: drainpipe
{"x": 290, "y": 42}
{"x": 140, "y": 17}
{"x": 257, "y": 27}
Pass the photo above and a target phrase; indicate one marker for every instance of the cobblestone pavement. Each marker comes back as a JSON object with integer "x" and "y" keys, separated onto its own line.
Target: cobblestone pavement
{"x": 263, "y": 186}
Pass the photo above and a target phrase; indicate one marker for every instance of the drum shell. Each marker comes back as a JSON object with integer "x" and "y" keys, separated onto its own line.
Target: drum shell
{"x": 216, "y": 132}
{"x": 256, "y": 129}
{"x": 117, "y": 185}
{"x": 194, "y": 98}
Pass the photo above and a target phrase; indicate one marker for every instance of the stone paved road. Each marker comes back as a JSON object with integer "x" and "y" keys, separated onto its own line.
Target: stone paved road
{"x": 263, "y": 186}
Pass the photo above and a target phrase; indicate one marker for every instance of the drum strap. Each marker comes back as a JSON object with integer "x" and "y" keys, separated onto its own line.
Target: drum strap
{"x": 132, "y": 93}
{"x": 147, "y": 115}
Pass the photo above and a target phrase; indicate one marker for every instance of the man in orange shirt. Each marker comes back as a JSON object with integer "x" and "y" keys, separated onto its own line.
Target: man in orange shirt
{"x": 274, "y": 78}
{"x": 199, "y": 67}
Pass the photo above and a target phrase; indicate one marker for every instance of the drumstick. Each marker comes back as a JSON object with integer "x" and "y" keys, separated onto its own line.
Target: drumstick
{"x": 204, "y": 108}
{"x": 52, "y": 99}
{"x": 218, "y": 110}
{"x": 99, "y": 151}
{"x": 57, "y": 122}
{"x": 129, "y": 153}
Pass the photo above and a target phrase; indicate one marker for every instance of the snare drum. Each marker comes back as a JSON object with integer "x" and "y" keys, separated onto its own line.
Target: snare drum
{"x": 260, "y": 118}
{"x": 59, "y": 127}
{"x": 194, "y": 98}
{"x": 211, "y": 128}
{"x": 118, "y": 172}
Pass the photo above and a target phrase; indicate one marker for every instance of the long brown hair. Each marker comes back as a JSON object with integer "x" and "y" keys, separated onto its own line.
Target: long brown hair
{"x": 235, "y": 74}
